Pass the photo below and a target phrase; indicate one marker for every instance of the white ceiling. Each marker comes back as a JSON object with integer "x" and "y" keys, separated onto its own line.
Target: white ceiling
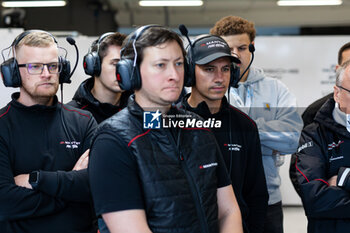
{"x": 265, "y": 13}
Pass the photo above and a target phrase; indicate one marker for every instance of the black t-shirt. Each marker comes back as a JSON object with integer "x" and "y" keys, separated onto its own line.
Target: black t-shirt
{"x": 117, "y": 186}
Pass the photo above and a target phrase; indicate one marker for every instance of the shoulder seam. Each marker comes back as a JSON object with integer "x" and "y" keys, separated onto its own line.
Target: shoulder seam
{"x": 243, "y": 114}
{"x": 136, "y": 137}
{"x": 197, "y": 129}
{"x": 73, "y": 110}
{"x": 6, "y": 111}
{"x": 84, "y": 106}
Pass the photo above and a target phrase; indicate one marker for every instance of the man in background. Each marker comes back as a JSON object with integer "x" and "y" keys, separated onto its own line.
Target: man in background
{"x": 100, "y": 94}
{"x": 238, "y": 137}
{"x": 310, "y": 113}
{"x": 267, "y": 101}
{"x": 320, "y": 169}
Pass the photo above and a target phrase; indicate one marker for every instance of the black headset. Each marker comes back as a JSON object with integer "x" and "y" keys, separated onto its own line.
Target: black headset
{"x": 237, "y": 76}
{"x": 9, "y": 68}
{"x": 92, "y": 60}
{"x": 128, "y": 71}
{"x": 191, "y": 77}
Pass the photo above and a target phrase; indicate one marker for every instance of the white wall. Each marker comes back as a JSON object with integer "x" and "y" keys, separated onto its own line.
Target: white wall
{"x": 305, "y": 64}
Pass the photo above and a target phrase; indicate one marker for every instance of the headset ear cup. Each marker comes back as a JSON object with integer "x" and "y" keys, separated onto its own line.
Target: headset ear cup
{"x": 97, "y": 67}
{"x": 136, "y": 79}
{"x": 64, "y": 76}
{"x": 191, "y": 80}
{"x": 186, "y": 71}
{"x": 232, "y": 73}
{"x": 91, "y": 64}
{"x": 88, "y": 64}
{"x": 128, "y": 77}
{"x": 235, "y": 75}
{"x": 123, "y": 73}
{"x": 10, "y": 73}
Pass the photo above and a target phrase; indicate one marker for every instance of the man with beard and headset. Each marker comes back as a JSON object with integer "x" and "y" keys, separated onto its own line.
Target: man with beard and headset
{"x": 43, "y": 144}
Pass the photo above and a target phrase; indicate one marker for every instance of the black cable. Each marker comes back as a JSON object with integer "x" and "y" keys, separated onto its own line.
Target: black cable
{"x": 245, "y": 71}
{"x": 251, "y": 50}
{"x": 71, "y": 41}
{"x": 230, "y": 133}
{"x": 61, "y": 93}
{"x": 63, "y": 121}
{"x": 178, "y": 141}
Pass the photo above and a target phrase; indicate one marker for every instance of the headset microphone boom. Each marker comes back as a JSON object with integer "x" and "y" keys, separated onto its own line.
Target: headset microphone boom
{"x": 71, "y": 41}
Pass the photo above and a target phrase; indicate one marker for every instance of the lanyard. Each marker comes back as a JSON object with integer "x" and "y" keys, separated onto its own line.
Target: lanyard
{"x": 238, "y": 102}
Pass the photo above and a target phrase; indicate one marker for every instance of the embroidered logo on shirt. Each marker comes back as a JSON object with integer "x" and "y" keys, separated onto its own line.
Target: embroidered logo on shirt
{"x": 306, "y": 145}
{"x": 267, "y": 106}
{"x": 70, "y": 145}
{"x": 336, "y": 157}
{"x": 334, "y": 145}
{"x": 234, "y": 147}
{"x": 208, "y": 165}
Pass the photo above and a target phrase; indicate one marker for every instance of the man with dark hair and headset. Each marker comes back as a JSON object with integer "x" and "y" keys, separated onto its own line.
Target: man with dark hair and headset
{"x": 100, "y": 94}
{"x": 210, "y": 61}
{"x": 158, "y": 179}
{"x": 43, "y": 144}
{"x": 270, "y": 104}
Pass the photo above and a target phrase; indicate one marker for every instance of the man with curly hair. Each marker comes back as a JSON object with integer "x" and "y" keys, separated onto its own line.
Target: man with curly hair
{"x": 267, "y": 101}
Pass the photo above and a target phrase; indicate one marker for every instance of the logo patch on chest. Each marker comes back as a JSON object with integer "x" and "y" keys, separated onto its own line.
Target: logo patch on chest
{"x": 336, "y": 157}
{"x": 267, "y": 106}
{"x": 208, "y": 165}
{"x": 233, "y": 146}
{"x": 70, "y": 145}
{"x": 334, "y": 145}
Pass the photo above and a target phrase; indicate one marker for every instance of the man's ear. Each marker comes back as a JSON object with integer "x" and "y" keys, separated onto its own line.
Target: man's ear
{"x": 336, "y": 93}
{"x": 337, "y": 67}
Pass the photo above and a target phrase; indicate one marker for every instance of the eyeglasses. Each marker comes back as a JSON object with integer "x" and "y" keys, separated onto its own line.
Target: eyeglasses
{"x": 343, "y": 88}
{"x": 37, "y": 68}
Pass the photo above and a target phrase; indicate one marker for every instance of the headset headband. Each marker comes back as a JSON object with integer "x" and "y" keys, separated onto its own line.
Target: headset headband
{"x": 137, "y": 34}
{"x": 128, "y": 73}
{"x": 10, "y": 71}
{"x": 103, "y": 36}
{"x": 101, "y": 39}
{"x": 25, "y": 33}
